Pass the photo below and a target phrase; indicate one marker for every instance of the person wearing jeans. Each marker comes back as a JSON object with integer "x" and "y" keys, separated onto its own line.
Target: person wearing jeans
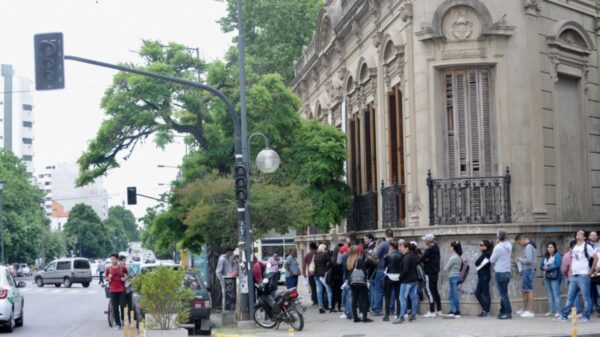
{"x": 408, "y": 282}
{"x": 393, "y": 267}
{"x": 501, "y": 260}
{"x": 115, "y": 277}
{"x": 322, "y": 267}
{"x": 484, "y": 275}
{"x": 453, "y": 268}
{"x": 550, "y": 266}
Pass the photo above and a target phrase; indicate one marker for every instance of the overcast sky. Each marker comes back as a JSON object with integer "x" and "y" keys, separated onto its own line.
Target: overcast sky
{"x": 110, "y": 31}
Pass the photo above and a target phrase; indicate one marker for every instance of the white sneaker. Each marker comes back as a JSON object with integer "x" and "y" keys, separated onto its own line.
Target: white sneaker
{"x": 548, "y": 314}
{"x": 527, "y": 314}
{"x": 520, "y": 312}
{"x": 343, "y": 316}
{"x": 557, "y": 315}
{"x": 406, "y": 316}
{"x": 439, "y": 313}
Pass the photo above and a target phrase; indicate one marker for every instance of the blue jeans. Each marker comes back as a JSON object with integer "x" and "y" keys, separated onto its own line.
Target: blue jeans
{"x": 347, "y": 300}
{"x": 408, "y": 290}
{"x": 291, "y": 281}
{"x": 502, "y": 281}
{"x": 454, "y": 295}
{"x": 320, "y": 285}
{"x": 579, "y": 284}
{"x": 377, "y": 293}
{"x": 482, "y": 292}
{"x": 553, "y": 292}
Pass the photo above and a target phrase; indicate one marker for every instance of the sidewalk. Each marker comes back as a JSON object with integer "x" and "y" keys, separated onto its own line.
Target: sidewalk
{"x": 330, "y": 325}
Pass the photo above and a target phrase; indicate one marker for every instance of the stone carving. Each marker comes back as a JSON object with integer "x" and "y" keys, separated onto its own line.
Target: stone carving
{"x": 500, "y": 23}
{"x": 555, "y": 61}
{"x": 597, "y": 21}
{"x": 464, "y": 53}
{"x": 573, "y": 38}
{"x": 586, "y": 79}
{"x": 532, "y": 7}
{"x": 377, "y": 38}
{"x": 406, "y": 11}
{"x": 462, "y": 27}
{"x": 357, "y": 30}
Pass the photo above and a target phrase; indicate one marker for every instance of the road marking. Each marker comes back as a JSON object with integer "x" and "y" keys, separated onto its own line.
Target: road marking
{"x": 55, "y": 291}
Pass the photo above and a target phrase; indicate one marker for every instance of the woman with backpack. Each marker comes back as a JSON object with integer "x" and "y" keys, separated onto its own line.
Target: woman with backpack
{"x": 484, "y": 275}
{"x": 357, "y": 278}
{"x": 550, "y": 266}
{"x": 322, "y": 267}
{"x": 453, "y": 267}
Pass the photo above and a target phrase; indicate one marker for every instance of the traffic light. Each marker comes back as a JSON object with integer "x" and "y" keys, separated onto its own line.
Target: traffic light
{"x": 241, "y": 183}
{"x": 49, "y": 61}
{"x": 131, "y": 196}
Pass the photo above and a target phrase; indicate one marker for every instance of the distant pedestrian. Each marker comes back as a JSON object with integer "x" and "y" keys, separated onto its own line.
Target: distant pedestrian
{"x": 356, "y": 272}
{"x": 100, "y": 270}
{"x": 273, "y": 269}
{"x": 550, "y": 266}
{"x": 322, "y": 267}
{"x": 224, "y": 267}
{"x": 346, "y": 289}
{"x": 292, "y": 269}
{"x": 431, "y": 268}
{"x": 128, "y": 295}
{"x": 309, "y": 272}
{"x": 453, "y": 267}
{"x": 565, "y": 268}
{"x": 393, "y": 267}
{"x": 584, "y": 260}
{"x": 528, "y": 263}
{"x": 258, "y": 269}
{"x": 484, "y": 275}
{"x": 501, "y": 260}
{"x": 408, "y": 282}
{"x": 336, "y": 279}
{"x": 594, "y": 241}
{"x": 115, "y": 277}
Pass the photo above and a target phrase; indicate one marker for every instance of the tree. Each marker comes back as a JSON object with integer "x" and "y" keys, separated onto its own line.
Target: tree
{"x": 22, "y": 217}
{"x": 88, "y": 234}
{"x": 275, "y": 31}
{"x": 123, "y": 226}
{"x": 55, "y": 245}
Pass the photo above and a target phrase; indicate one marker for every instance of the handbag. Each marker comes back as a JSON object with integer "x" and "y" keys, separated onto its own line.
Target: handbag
{"x": 311, "y": 266}
{"x": 357, "y": 277}
{"x": 596, "y": 279}
{"x": 551, "y": 275}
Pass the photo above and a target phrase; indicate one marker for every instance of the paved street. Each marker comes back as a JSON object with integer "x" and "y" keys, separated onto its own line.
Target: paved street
{"x": 65, "y": 312}
{"x": 330, "y": 325}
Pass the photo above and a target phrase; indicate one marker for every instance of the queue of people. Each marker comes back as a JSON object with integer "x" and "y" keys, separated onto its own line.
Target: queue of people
{"x": 370, "y": 278}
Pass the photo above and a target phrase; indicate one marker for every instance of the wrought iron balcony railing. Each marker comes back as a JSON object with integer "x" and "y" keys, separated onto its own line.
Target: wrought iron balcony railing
{"x": 362, "y": 213}
{"x": 469, "y": 200}
{"x": 392, "y": 199}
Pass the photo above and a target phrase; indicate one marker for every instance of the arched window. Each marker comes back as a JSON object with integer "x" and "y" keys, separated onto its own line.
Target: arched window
{"x": 364, "y": 73}
{"x": 388, "y": 52}
{"x": 350, "y": 84}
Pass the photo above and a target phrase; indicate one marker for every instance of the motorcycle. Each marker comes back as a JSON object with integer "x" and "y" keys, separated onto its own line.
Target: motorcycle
{"x": 273, "y": 307}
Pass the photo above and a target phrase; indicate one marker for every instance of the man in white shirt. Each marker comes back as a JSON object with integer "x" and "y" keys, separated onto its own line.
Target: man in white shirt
{"x": 584, "y": 260}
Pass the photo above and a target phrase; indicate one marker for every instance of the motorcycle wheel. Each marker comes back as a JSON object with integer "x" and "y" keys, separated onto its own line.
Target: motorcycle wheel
{"x": 261, "y": 318}
{"x": 296, "y": 320}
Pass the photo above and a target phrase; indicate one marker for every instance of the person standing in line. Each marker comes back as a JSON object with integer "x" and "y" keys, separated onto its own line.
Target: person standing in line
{"x": 356, "y": 262}
{"x": 565, "y": 268}
{"x": 550, "y": 266}
{"x": 584, "y": 260}
{"x": 484, "y": 275}
{"x": 501, "y": 260}
{"x": 292, "y": 269}
{"x": 378, "y": 281}
{"x": 431, "y": 268}
{"x": 528, "y": 264}
{"x": 322, "y": 267}
{"x": 453, "y": 268}
{"x": 336, "y": 278}
{"x": 593, "y": 239}
{"x": 308, "y": 274}
{"x": 346, "y": 289}
{"x": 224, "y": 265}
{"x": 408, "y": 282}
{"x": 393, "y": 267}
{"x": 369, "y": 250}
{"x": 273, "y": 269}
{"x": 100, "y": 270}
{"x": 115, "y": 277}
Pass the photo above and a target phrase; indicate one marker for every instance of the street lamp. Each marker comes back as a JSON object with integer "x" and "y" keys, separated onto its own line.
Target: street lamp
{"x": 267, "y": 160}
{"x": 1, "y": 226}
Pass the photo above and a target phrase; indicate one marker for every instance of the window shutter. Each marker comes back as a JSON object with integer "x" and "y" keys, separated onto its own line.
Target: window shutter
{"x": 462, "y": 125}
{"x": 474, "y": 139}
{"x": 450, "y": 120}
{"x": 487, "y": 148}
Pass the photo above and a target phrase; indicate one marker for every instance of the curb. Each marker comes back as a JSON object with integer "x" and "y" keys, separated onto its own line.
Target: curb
{"x": 228, "y": 334}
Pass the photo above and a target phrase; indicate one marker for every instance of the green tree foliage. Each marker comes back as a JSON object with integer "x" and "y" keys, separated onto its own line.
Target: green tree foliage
{"x": 55, "y": 245}
{"x": 23, "y": 218}
{"x": 123, "y": 226}
{"x": 275, "y": 31}
{"x": 85, "y": 229}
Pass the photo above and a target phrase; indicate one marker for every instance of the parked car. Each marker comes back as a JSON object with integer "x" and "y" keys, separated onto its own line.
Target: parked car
{"x": 17, "y": 268}
{"x": 11, "y": 300}
{"x": 25, "y": 270}
{"x": 200, "y": 306}
{"x": 65, "y": 271}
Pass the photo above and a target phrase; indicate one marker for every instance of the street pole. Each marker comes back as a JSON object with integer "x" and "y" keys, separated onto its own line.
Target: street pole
{"x": 1, "y": 225}
{"x": 247, "y": 223}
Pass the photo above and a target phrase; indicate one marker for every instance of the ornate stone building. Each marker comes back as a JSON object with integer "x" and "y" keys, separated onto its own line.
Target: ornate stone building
{"x": 462, "y": 116}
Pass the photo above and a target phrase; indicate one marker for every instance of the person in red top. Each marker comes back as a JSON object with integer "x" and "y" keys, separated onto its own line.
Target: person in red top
{"x": 115, "y": 277}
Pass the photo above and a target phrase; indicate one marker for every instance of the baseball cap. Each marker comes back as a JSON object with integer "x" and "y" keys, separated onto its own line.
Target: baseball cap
{"x": 428, "y": 237}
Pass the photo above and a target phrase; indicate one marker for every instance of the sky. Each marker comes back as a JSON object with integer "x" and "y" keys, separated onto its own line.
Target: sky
{"x": 110, "y": 31}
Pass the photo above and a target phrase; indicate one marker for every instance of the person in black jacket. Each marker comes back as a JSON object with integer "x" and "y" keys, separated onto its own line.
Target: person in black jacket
{"x": 409, "y": 280}
{"x": 322, "y": 267}
{"x": 392, "y": 265}
{"x": 359, "y": 288}
{"x": 431, "y": 268}
{"x": 482, "y": 292}
{"x": 336, "y": 279}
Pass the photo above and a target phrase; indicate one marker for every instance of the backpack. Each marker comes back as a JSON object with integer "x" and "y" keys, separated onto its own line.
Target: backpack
{"x": 464, "y": 270}
{"x": 357, "y": 276}
{"x": 587, "y": 256}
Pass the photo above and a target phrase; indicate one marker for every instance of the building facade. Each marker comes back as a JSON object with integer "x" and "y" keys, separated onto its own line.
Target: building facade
{"x": 462, "y": 116}
{"x": 16, "y": 118}
{"x": 61, "y": 194}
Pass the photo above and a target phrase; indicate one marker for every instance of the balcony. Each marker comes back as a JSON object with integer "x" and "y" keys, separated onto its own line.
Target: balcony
{"x": 472, "y": 200}
{"x": 362, "y": 213}
{"x": 392, "y": 199}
